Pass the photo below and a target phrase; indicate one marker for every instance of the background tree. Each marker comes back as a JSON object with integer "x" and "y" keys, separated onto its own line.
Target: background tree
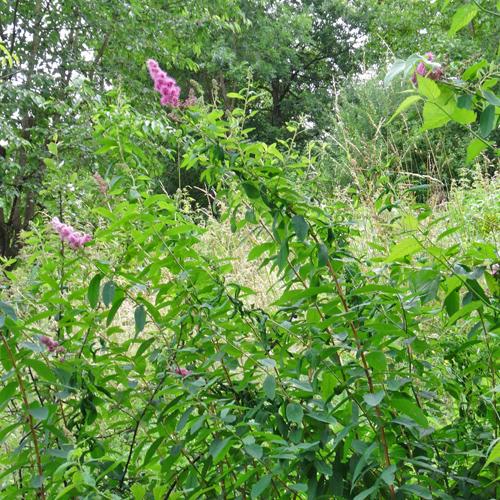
{"x": 60, "y": 43}
{"x": 295, "y": 49}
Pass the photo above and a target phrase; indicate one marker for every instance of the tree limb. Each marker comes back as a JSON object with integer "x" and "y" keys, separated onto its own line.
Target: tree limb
{"x": 14, "y": 22}
{"x": 99, "y": 55}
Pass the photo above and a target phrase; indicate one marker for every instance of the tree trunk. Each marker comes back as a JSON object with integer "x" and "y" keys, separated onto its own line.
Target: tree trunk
{"x": 277, "y": 117}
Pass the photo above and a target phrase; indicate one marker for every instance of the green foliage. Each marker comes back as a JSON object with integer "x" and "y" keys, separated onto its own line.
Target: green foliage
{"x": 329, "y": 391}
{"x": 294, "y": 49}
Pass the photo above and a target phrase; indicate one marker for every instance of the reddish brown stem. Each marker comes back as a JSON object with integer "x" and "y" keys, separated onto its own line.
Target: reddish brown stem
{"x": 30, "y": 418}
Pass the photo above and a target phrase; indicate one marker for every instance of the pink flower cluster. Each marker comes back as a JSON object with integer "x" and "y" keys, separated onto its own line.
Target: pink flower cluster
{"x": 74, "y": 239}
{"x": 423, "y": 71}
{"x": 52, "y": 346}
{"x": 182, "y": 371}
{"x": 495, "y": 269}
{"x": 164, "y": 84}
{"x": 190, "y": 101}
{"x": 103, "y": 187}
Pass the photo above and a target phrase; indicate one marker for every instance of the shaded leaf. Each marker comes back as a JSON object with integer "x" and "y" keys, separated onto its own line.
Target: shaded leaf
{"x": 294, "y": 413}
{"x": 260, "y": 486}
{"x": 374, "y": 399}
{"x": 300, "y": 226}
{"x": 140, "y": 318}
{"x": 93, "y": 291}
{"x": 270, "y": 387}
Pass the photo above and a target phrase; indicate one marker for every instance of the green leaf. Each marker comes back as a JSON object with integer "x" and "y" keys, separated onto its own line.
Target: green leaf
{"x": 323, "y": 255}
{"x": 486, "y": 121}
{"x": 403, "y": 249}
{"x": 418, "y": 490}
{"x": 40, "y": 413}
{"x": 218, "y": 449}
{"x": 258, "y": 250}
{"x": 376, "y": 288}
{"x": 159, "y": 492}
{"x": 50, "y": 163}
{"x": 270, "y": 387}
{"x": 377, "y": 360}
{"x": 41, "y": 369}
{"x": 7, "y": 392}
{"x": 104, "y": 149}
{"x": 428, "y": 87}
{"x": 475, "y": 147}
{"x": 152, "y": 450}
{"x": 464, "y": 311}
{"x": 298, "y": 487}
{"x": 491, "y": 98}
{"x": 397, "y": 67}
{"x": 405, "y": 104}
{"x": 452, "y": 302}
{"x": 464, "y": 102}
{"x": 471, "y": 73}
{"x": 254, "y": 450}
{"x": 464, "y": 116}
{"x": 260, "y": 486}
{"x": 234, "y": 95}
{"x": 108, "y": 293}
{"x": 140, "y": 318}
{"x": 492, "y": 284}
{"x": 323, "y": 468}
{"x": 463, "y": 17}
{"x": 294, "y": 413}
{"x": 411, "y": 410}
{"x": 251, "y": 190}
{"x": 328, "y": 384}
{"x": 37, "y": 481}
{"x": 409, "y": 221}
{"x": 388, "y": 474}
{"x": 114, "y": 310}
{"x": 93, "y": 291}
{"x": 365, "y": 493}
{"x": 494, "y": 454}
{"x": 434, "y": 116}
{"x": 184, "y": 419}
{"x": 300, "y": 226}
{"x": 52, "y": 147}
{"x": 8, "y": 310}
{"x": 138, "y": 491}
{"x": 282, "y": 259}
{"x": 374, "y": 399}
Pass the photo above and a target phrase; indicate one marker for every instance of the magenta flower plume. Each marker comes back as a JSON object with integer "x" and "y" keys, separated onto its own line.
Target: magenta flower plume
{"x": 424, "y": 72}
{"x": 164, "y": 84}
{"x": 50, "y": 344}
{"x": 74, "y": 239}
{"x": 183, "y": 372}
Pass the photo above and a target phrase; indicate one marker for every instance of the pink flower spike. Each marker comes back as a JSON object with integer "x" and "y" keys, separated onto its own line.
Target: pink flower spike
{"x": 423, "y": 71}
{"x": 164, "y": 84}
{"x": 74, "y": 238}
